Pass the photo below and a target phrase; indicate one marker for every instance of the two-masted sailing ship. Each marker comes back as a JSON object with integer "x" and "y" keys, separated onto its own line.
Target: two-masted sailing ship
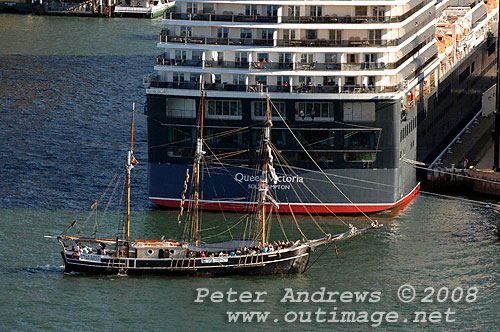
{"x": 251, "y": 254}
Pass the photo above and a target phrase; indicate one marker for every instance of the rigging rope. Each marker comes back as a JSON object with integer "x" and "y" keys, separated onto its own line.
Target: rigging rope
{"x": 320, "y": 169}
{"x": 412, "y": 163}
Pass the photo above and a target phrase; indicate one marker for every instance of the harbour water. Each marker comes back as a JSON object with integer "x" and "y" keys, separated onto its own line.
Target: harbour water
{"x": 66, "y": 90}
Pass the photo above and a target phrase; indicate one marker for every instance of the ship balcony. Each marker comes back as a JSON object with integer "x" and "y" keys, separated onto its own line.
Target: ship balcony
{"x": 215, "y": 41}
{"x": 161, "y": 61}
{"x": 299, "y": 66}
{"x": 228, "y": 17}
{"x": 259, "y": 88}
{"x": 226, "y": 64}
{"x": 338, "y": 19}
{"x": 352, "y": 42}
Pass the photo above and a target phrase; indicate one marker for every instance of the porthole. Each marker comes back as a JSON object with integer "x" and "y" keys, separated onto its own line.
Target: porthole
{"x": 150, "y": 252}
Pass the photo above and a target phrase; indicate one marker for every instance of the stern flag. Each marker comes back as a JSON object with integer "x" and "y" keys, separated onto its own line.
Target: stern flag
{"x": 133, "y": 160}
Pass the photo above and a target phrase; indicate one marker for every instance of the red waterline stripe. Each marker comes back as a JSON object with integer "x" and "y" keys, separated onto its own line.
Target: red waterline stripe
{"x": 326, "y": 208}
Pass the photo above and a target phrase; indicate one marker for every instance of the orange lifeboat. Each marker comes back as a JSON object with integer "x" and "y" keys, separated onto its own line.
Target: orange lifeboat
{"x": 443, "y": 42}
{"x": 490, "y": 5}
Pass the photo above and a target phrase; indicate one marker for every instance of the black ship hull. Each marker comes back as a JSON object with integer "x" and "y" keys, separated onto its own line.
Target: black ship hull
{"x": 286, "y": 261}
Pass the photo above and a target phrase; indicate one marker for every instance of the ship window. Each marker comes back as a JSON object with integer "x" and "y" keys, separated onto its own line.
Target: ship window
{"x": 293, "y": 10}
{"x": 267, "y": 34}
{"x": 250, "y": 9}
{"x": 239, "y": 79}
{"x": 192, "y": 7}
{"x": 262, "y": 57}
{"x": 178, "y": 77}
{"x": 278, "y": 137}
{"x": 335, "y": 35}
{"x": 246, "y": 33}
{"x": 221, "y": 138}
{"x": 222, "y": 32}
{"x": 178, "y": 135}
{"x": 371, "y": 58}
{"x": 208, "y": 8}
{"x": 315, "y": 11}
{"x": 180, "y": 55}
{"x": 359, "y": 139}
{"x": 272, "y": 10}
{"x": 195, "y": 78}
{"x": 360, "y": 156}
{"x": 197, "y": 55}
{"x": 463, "y": 75}
{"x": 285, "y": 58}
{"x": 283, "y": 81}
{"x": 185, "y": 31}
{"x": 331, "y": 57}
{"x": 359, "y": 112}
{"x": 259, "y": 110}
{"x": 313, "y": 111}
{"x": 241, "y": 58}
{"x": 312, "y": 34}
{"x": 375, "y": 37}
{"x": 261, "y": 80}
{"x": 379, "y": 13}
{"x": 315, "y": 138}
{"x": 288, "y": 34}
{"x": 329, "y": 81}
{"x": 181, "y": 108}
{"x": 224, "y": 109}
{"x": 361, "y": 11}
{"x": 306, "y": 58}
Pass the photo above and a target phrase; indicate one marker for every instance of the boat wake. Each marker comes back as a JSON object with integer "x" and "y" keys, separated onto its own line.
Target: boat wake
{"x": 33, "y": 270}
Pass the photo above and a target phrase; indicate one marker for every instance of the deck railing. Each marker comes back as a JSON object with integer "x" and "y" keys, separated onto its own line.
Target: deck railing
{"x": 277, "y": 88}
{"x": 299, "y": 66}
{"x": 228, "y": 16}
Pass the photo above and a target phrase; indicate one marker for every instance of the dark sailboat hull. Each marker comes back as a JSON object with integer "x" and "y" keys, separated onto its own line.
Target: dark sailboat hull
{"x": 287, "y": 261}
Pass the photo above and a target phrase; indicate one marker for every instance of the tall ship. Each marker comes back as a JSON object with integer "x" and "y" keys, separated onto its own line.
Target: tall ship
{"x": 367, "y": 87}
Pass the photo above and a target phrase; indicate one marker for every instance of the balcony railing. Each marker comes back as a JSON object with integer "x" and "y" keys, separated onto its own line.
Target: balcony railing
{"x": 277, "y": 88}
{"x": 336, "y": 19}
{"x": 160, "y": 61}
{"x": 240, "y": 17}
{"x": 226, "y": 64}
{"x": 312, "y": 66}
{"x": 229, "y": 17}
{"x": 215, "y": 41}
{"x": 163, "y": 38}
{"x": 271, "y": 65}
{"x": 353, "y": 19}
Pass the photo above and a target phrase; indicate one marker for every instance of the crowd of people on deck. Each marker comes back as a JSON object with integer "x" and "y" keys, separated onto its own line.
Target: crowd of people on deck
{"x": 260, "y": 249}
{"x": 84, "y": 249}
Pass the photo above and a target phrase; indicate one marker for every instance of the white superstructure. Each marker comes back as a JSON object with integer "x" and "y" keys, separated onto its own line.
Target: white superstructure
{"x": 365, "y": 85}
{"x": 368, "y": 48}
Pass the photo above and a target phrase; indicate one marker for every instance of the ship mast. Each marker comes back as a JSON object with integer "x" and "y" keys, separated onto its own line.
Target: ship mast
{"x": 196, "y": 169}
{"x": 264, "y": 182}
{"x": 129, "y": 168}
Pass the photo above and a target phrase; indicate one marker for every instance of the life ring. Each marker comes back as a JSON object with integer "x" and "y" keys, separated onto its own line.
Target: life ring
{"x": 74, "y": 255}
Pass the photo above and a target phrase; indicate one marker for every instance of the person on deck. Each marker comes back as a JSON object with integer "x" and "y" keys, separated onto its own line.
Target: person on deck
{"x": 98, "y": 249}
